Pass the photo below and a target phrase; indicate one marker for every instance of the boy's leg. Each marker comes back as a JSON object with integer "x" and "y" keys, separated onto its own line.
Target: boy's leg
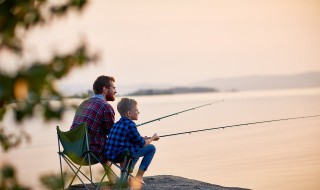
{"x": 140, "y": 175}
{"x": 147, "y": 153}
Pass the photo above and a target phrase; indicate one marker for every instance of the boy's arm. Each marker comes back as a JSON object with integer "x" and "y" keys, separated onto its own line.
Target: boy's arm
{"x": 134, "y": 136}
{"x": 148, "y": 140}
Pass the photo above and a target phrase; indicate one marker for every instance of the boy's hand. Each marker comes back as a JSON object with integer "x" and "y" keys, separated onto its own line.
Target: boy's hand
{"x": 155, "y": 137}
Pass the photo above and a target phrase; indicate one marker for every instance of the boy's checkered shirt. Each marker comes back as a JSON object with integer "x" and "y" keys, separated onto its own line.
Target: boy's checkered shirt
{"x": 123, "y": 135}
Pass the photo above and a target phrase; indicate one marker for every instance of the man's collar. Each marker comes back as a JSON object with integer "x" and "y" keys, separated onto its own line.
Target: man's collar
{"x": 99, "y": 96}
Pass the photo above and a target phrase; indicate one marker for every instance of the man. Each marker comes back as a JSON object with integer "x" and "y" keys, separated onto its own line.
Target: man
{"x": 98, "y": 114}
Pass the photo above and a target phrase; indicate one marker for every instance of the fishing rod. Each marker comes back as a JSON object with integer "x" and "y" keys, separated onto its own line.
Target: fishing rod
{"x": 158, "y": 119}
{"x": 237, "y": 125}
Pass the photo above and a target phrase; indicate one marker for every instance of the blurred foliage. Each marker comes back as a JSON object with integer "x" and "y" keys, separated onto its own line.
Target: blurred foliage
{"x": 24, "y": 14}
{"x": 32, "y": 88}
{"x": 8, "y": 179}
{"x": 12, "y": 140}
{"x": 54, "y": 181}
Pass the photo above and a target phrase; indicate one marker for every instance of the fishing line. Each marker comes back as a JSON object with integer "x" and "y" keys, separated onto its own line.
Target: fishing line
{"x": 158, "y": 119}
{"x": 237, "y": 125}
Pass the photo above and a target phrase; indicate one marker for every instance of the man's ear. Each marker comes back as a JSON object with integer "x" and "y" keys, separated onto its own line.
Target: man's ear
{"x": 104, "y": 89}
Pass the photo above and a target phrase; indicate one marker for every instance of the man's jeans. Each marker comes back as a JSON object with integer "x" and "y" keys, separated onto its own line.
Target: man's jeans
{"x": 147, "y": 153}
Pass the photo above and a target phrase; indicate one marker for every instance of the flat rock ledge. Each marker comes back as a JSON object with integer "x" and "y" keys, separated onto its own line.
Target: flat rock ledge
{"x": 168, "y": 182}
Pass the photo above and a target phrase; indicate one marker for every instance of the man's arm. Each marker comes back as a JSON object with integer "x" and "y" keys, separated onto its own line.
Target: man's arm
{"x": 109, "y": 119}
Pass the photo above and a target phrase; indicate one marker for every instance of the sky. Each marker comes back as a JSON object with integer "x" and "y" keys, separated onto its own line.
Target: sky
{"x": 186, "y": 41}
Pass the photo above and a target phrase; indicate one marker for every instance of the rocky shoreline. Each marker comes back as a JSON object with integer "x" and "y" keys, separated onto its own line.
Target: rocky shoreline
{"x": 171, "y": 182}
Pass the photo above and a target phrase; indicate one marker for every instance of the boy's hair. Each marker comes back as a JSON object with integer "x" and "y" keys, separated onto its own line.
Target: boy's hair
{"x": 125, "y": 105}
{"x": 100, "y": 82}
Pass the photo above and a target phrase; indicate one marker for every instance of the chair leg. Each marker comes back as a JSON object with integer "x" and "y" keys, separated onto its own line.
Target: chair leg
{"x": 75, "y": 175}
{"x": 123, "y": 182}
{"x": 62, "y": 178}
{"x": 73, "y": 168}
{"x": 110, "y": 173}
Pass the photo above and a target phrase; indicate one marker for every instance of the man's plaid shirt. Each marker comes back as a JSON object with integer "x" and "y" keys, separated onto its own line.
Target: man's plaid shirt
{"x": 99, "y": 117}
{"x": 123, "y": 135}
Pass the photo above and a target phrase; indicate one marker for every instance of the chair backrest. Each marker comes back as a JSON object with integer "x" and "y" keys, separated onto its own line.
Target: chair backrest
{"x": 75, "y": 144}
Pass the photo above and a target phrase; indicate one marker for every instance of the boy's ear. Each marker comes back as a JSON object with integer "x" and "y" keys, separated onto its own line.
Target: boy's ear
{"x": 129, "y": 113}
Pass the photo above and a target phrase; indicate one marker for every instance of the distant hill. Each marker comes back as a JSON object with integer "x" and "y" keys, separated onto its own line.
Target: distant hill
{"x": 267, "y": 82}
{"x": 177, "y": 90}
{"x": 305, "y": 80}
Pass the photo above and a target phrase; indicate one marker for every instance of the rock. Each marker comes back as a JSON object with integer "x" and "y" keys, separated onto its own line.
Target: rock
{"x": 168, "y": 182}
{"x": 180, "y": 183}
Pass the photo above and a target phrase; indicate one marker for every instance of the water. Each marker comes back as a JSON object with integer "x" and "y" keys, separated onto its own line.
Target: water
{"x": 280, "y": 155}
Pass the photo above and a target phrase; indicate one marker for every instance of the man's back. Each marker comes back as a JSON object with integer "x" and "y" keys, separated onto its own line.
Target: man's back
{"x": 99, "y": 118}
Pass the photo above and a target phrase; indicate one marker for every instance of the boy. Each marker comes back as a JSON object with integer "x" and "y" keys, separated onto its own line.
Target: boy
{"x": 125, "y": 136}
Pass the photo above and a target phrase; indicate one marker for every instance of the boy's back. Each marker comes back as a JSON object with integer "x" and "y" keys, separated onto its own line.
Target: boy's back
{"x": 123, "y": 135}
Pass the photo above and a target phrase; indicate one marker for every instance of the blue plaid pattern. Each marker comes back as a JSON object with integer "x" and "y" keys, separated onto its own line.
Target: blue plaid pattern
{"x": 123, "y": 135}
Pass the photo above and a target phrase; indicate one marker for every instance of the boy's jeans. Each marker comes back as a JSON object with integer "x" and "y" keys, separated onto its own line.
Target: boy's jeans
{"x": 147, "y": 153}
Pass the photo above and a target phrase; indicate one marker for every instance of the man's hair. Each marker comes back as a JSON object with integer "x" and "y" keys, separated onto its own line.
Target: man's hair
{"x": 125, "y": 105}
{"x": 100, "y": 82}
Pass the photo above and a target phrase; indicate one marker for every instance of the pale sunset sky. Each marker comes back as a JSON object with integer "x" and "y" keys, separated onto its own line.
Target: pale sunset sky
{"x": 186, "y": 41}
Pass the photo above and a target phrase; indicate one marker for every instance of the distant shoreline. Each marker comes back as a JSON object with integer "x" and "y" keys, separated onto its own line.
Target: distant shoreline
{"x": 176, "y": 90}
{"x": 229, "y": 84}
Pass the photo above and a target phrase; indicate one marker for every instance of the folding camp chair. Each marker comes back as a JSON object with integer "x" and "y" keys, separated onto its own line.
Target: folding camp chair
{"x": 76, "y": 151}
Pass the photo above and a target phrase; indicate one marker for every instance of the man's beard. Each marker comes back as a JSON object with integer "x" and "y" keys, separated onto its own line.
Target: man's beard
{"x": 109, "y": 97}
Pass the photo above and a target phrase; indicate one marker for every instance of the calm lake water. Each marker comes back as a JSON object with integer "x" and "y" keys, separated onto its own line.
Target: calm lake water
{"x": 280, "y": 155}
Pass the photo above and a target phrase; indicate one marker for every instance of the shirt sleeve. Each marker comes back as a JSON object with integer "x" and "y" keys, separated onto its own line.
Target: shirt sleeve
{"x": 134, "y": 136}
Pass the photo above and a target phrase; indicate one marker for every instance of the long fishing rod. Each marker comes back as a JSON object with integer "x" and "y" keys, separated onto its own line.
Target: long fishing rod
{"x": 237, "y": 125}
{"x": 158, "y": 119}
